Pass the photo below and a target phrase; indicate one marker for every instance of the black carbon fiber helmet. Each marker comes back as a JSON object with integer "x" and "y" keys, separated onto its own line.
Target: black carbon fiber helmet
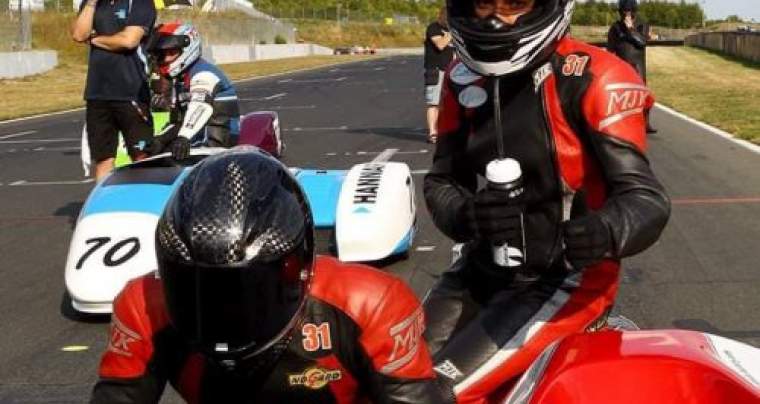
{"x": 492, "y": 48}
{"x": 235, "y": 249}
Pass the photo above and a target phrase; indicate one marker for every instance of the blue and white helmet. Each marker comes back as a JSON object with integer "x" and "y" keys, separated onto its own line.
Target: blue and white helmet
{"x": 173, "y": 36}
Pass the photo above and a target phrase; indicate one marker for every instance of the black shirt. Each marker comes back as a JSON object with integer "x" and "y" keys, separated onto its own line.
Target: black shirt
{"x": 435, "y": 58}
{"x": 629, "y": 45}
{"x": 119, "y": 76}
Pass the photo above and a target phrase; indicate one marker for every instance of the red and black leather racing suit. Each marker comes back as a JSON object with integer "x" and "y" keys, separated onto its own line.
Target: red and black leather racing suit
{"x": 576, "y": 125}
{"x": 360, "y": 338}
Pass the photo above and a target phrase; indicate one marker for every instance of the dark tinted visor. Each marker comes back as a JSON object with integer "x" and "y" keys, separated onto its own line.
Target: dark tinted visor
{"x": 168, "y": 42}
{"x": 463, "y": 11}
{"x": 230, "y": 309}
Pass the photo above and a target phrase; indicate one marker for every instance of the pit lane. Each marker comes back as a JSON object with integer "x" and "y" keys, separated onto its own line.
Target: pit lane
{"x": 702, "y": 274}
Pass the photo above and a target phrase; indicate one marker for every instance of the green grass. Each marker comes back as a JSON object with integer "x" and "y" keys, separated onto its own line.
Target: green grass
{"x": 375, "y": 34}
{"x": 710, "y": 87}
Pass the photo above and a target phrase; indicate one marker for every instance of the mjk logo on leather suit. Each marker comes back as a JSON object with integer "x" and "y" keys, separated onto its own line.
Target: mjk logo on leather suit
{"x": 406, "y": 336}
{"x": 121, "y": 337}
{"x": 624, "y": 100}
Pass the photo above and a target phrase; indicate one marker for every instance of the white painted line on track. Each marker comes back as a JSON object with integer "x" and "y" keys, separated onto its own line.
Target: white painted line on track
{"x": 369, "y": 153}
{"x": 24, "y": 183}
{"x": 384, "y": 156}
{"x": 284, "y": 107}
{"x": 12, "y": 135}
{"x": 313, "y": 80}
{"x": 419, "y": 172}
{"x": 26, "y": 118}
{"x": 300, "y": 129}
{"x": 426, "y": 248}
{"x": 54, "y": 149}
{"x": 276, "y": 96}
{"x": 71, "y": 139}
{"x": 268, "y": 98}
{"x": 715, "y": 131}
{"x": 257, "y": 78}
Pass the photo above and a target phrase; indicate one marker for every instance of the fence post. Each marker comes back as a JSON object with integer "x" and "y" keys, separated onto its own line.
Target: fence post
{"x": 24, "y": 35}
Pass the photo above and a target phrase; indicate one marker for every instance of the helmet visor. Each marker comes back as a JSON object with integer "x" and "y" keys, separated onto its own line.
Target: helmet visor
{"x": 170, "y": 42}
{"x": 232, "y": 310}
{"x": 494, "y": 16}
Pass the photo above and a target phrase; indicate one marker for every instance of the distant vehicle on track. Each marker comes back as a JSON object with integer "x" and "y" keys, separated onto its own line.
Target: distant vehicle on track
{"x": 355, "y": 50}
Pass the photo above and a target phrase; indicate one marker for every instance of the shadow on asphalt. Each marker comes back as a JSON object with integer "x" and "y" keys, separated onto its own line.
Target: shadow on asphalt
{"x": 71, "y": 211}
{"x": 68, "y": 312}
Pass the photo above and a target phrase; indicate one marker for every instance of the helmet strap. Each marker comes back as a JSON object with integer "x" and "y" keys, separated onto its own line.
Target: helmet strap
{"x": 498, "y": 127}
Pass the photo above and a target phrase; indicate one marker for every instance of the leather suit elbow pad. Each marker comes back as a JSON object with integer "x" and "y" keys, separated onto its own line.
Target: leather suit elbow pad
{"x": 197, "y": 115}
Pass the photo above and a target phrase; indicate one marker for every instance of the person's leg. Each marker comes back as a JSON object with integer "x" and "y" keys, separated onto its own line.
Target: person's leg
{"x": 218, "y": 136}
{"x": 517, "y": 324}
{"x": 433, "y": 100}
{"x": 448, "y": 305}
{"x": 432, "y": 121}
{"x": 102, "y": 137}
{"x": 136, "y": 125}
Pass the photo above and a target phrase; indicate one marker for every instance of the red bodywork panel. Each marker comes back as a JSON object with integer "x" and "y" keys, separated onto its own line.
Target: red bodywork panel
{"x": 649, "y": 367}
{"x": 261, "y": 129}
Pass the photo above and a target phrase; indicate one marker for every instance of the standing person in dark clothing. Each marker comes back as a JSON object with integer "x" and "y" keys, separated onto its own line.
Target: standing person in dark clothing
{"x": 438, "y": 55}
{"x": 570, "y": 116}
{"x": 627, "y": 38}
{"x": 117, "y": 91}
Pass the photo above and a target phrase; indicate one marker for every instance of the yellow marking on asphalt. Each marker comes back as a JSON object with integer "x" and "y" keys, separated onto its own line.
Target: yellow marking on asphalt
{"x": 75, "y": 348}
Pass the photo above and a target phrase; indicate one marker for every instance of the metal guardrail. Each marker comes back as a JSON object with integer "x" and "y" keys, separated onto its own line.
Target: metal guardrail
{"x": 740, "y": 44}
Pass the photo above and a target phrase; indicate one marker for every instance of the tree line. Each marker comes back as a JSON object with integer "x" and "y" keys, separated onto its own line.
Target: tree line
{"x": 659, "y": 13}
{"x": 591, "y": 12}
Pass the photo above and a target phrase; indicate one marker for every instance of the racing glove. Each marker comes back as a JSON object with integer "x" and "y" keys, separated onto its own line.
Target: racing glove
{"x": 492, "y": 215}
{"x": 159, "y": 143}
{"x": 180, "y": 148}
{"x": 587, "y": 241}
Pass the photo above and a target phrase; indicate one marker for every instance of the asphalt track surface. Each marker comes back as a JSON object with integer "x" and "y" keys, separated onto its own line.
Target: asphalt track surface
{"x": 702, "y": 274}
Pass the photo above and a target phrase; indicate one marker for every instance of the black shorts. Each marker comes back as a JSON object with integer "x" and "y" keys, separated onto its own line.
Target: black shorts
{"x": 105, "y": 119}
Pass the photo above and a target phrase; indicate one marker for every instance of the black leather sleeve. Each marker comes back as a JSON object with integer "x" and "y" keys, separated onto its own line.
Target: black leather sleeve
{"x": 618, "y": 34}
{"x": 637, "y": 208}
{"x": 448, "y": 185}
{"x": 397, "y": 391}
{"x": 636, "y": 38}
{"x": 142, "y": 390}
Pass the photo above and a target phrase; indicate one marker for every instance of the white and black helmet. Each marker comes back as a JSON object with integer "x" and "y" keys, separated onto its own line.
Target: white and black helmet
{"x": 492, "y": 48}
{"x": 175, "y": 36}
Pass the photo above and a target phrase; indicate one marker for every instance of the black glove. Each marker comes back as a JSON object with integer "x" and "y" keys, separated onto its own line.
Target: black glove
{"x": 494, "y": 216}
{"x": 587, "y": 241}
{"x": 180, "y": 148}
{"x": 156, "y": 146}
{"x": 161, "y": 142}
